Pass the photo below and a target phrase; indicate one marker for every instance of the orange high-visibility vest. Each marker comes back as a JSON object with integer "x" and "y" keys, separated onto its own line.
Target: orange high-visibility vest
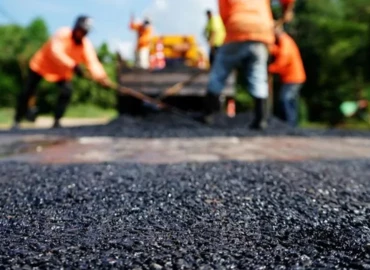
{"x": 248, "y": 20}
{"x": 144, "y": 34}
{"x": 288, "y": 61}
{"x": 59, "y": 55}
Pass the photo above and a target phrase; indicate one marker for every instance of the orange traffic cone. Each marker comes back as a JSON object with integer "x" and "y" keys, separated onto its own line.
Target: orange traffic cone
{"x": 231, "y": 111}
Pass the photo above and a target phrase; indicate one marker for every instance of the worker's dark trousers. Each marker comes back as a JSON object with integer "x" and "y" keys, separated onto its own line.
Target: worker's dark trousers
{"x": 288, "y": 99}
{"x": 30, "y": 90}
{"x": 212, "y": 54}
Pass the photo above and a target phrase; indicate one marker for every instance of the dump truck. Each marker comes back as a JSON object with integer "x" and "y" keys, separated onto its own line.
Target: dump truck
{"x": 184, "y": 63}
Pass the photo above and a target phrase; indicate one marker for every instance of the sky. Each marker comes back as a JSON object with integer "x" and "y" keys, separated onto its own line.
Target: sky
{"x": 111, "y": 17}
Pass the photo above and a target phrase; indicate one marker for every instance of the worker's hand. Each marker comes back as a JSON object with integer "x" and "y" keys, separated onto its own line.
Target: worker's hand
{"x": 78, "y": 71}
{"x": 107, "y": 83}
{"x": 278, "y": 24}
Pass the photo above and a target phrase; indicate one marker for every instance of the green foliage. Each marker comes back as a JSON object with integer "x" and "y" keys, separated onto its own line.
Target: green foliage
{"x": 333, "y": 37}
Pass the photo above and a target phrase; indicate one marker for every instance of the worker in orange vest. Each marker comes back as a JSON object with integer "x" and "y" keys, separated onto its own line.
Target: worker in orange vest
{"x": 249, "y": 32}
{"x": 144, "y": 35}
{"x": 57, "y": 61}
{"x": 289, "y": 66}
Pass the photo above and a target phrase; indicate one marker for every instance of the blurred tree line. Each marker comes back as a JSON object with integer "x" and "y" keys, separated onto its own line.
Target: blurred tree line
{"x": 333, "y": 36}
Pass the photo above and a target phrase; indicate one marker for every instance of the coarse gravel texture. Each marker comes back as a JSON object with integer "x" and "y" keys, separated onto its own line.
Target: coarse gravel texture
{"x": 227, "y": 215}
{"x": 162, "y": 125}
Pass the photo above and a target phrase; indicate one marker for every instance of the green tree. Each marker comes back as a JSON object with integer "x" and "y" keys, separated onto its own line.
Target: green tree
{"x": 333, "y": 39}
{"x": 17, "y": 45}
{"x": 35, "y": 35}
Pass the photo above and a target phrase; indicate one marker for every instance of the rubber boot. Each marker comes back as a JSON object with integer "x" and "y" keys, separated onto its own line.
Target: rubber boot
{"x": 15, "y": 126}
{"x": 211, "y": 107}
{"x": 261, "y": 112}
{"x": 32, "y": 114}
{"x": 57, "y": 124}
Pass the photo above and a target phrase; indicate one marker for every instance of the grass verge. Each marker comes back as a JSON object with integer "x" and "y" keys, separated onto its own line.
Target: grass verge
{"x": 77, "y": 111}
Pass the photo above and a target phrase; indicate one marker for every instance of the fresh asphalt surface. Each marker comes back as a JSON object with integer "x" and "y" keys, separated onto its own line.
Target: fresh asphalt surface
{"x": 222, "y": 215}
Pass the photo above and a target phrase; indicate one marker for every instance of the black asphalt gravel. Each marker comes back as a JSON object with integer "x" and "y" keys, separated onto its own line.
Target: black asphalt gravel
{"x": 225, "y": 215}
{"x": 229, "y": 215}
{"x": 161, "y": 125}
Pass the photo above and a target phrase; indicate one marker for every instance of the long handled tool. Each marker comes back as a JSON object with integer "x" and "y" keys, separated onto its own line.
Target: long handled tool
{"x": 156, "y": 102}
{"x": 178, "y": 86}
{"x": 145, "y": 98}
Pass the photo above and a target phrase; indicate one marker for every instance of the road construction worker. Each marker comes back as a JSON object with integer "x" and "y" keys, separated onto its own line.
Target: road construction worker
{"x": 215, "y": 34}
{"x": 289, "y": 66}
{"x": 57, "y": 61}
{"x": 249, "y": 32}
{"x": 144, "y": 35}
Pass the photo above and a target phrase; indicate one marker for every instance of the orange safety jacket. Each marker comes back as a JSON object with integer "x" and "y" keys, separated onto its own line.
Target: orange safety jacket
{"x": 288, "y": 62}
{"x": 144, "y": 34}
{"x": 59, "y": 55}
{"x": 248, "y": 20}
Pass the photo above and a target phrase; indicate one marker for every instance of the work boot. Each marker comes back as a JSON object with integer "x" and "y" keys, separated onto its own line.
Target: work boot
{"x": 32, "y": 114}
{"x": 261, "y": 112}
{"x": 57, "y": 124}
{"x": 211, "y": 107}
{"x": 15, "y": 126}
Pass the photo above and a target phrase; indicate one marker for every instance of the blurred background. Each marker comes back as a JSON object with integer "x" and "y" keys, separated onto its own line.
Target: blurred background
{"x": 333, "y": 37}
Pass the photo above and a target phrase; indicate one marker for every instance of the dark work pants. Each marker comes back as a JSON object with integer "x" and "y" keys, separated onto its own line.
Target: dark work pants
{"x": 289, "y": 95}
{"x": 212, "y": 54}
{"x": 30, "y": 90}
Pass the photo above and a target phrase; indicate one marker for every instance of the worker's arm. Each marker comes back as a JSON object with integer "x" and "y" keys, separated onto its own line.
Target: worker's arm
{"x": 58, "y": 52}
{"x": 223, "y": 6}
{"x": 92, "y": 62}
{"x": 288, "y": 10}
{"x": 206, "y": 33}
{"x": 133, "y": 25}
{"x": 281, "y": 53}
{"x": 211, "y": 39}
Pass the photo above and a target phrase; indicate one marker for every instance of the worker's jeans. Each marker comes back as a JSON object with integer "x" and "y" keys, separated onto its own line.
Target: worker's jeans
{"x": 288, "y": 100}
{"x": 250, "y": 57}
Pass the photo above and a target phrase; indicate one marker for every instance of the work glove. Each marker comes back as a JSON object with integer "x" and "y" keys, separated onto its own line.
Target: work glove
{"x": 78, "y": 71}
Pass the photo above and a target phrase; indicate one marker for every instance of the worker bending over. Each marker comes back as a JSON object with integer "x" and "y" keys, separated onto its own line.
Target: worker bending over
{"x": 144, "y": 35}
{"x": 57, "y": 61}
{"x": 289, "y": 66}
{"x": 249, "y": 31}
{"x": 215, "y": 34}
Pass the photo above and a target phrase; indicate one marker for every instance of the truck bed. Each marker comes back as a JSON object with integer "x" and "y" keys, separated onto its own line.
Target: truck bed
{"x": 154, "y": 82}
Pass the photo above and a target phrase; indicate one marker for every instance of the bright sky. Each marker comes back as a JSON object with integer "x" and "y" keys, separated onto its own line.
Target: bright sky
{"x": 111, "y": 17}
